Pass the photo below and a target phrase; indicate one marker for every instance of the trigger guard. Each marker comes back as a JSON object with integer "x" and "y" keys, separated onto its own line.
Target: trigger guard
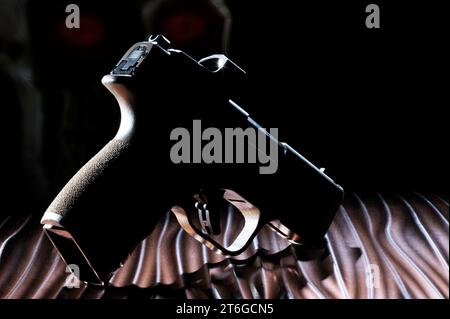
{"x": 251, "y": 227}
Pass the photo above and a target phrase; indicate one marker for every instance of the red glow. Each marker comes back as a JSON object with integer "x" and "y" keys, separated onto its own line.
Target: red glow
{"x": 90, "y": 32}
{"x": 185, "y": 27}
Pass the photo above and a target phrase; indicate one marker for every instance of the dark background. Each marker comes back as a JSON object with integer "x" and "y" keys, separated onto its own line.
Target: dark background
{"x": 366, "y": 104}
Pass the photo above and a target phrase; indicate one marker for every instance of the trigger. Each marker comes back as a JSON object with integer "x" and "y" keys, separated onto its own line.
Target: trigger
{"x": 209, "y": 222}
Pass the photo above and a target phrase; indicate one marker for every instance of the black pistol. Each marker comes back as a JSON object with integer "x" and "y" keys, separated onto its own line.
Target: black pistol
{"x": 154, "y": 164}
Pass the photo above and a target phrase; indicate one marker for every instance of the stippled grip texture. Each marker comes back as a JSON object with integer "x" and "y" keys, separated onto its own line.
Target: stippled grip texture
{"x": 86, "y": 177}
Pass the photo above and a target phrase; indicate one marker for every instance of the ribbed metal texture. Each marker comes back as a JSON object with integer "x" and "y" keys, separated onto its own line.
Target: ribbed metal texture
{"x": 379, "y": 246}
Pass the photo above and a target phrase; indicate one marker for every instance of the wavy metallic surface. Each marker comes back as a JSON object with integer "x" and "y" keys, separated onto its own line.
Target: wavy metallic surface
{"x": 379, "y": 246}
